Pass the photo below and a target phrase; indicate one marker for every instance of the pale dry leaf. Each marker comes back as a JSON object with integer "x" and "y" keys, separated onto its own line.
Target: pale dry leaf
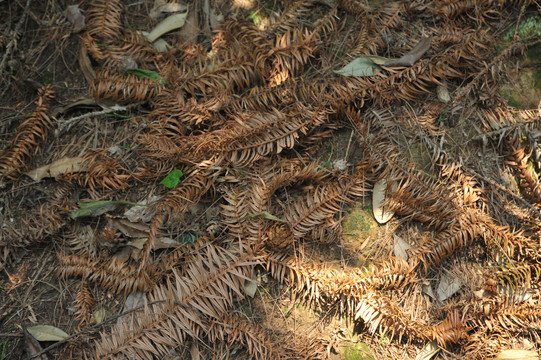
{"x": 428, "y": 351}
{"x": 47, "y": 333}
{"x": 400, "y": 247}
{"x": 514, "y": 354}
{"x": 381, "y": 214}
{"x": 448, "y": 286}
{"x": 170, "y": 23}
{"x": 412, "y": 56}
{"x": 99, "y": 315}
{"x": 74, "y": 16}
{"x": 58, "y": 167}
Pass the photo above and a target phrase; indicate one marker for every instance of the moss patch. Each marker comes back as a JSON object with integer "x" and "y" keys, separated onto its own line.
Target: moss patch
{"x": 358, "y": 351}
{"x": 360, "y": 223}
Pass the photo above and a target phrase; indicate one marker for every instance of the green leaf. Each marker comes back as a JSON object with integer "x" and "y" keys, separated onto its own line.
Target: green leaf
{"x": 105, "y": 46}
{"x": 97, "y": 208}
{"x": 188, "y": 237}
{"x": 117, "y": 116}
{"x": 361, "y": 66}
{"x": 173, "y": 179}
{"x": 146, "y": 74}
{"x": 264, "y": 215}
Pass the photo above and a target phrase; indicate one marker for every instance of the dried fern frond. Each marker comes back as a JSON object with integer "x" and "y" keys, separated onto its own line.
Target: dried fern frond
{"x": 234, "y": 329}
{"x": 115, "y": 276}
{"x": 516, "y": 122}
{"x": 17, "y": 157}
{"x": 123, "y": 88}
{"x": 324, "y": 202}
{"x": 467, "y": 227}
{"x": 451, "y": 331}
{"x": 83, "y": 303}
{"x": 103, "y": 19}
{"x": 518, "y": 159}
{"x": 181, "y": 308}
{"x": 103, "y": 172}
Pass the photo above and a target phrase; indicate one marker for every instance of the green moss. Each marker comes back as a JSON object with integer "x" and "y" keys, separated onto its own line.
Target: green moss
{"x": 360, "y": 222}
{"x": 528, "y": 30}
{"x": 358, "y": 351}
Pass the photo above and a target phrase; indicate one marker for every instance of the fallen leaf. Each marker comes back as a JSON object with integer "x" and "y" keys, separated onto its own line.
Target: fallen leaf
{"x": 381, "y": 214}
{"x": 428, "y": 351}
{"x": 47, "y": 333}
{"x": 448, "y": 286}
{"x": 173, "y": 179}
{"x": 160, "y": 7}
{"x": 168, "y": 24}
{"x": 99, "y": 315}
{"x": 400, "y": 247}
{"x": 517, "y": 355}
{"x": 128, "y": 228}
{"x": 58, "y": 167}
{"x": 413, "y": 55}
{"x": 97, "y": 208}
{"x": 443, "y": 94}
{"x": 251, "y": 287}
{"x": 74, "y": 16}
{"x": 264, "y": 215}
{"x": 361, "y": 66}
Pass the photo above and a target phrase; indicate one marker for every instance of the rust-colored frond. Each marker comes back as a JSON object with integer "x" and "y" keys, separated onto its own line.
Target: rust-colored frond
{"x": 182, "y": 307}
{"x": 176, "y": 202}
{"x": 387, "y": 16}
{"x": 123, "y": 88}
{"x": 287, "y": 21}
{"x": 451, "y": 331}
{"x": 381, "y": 315}
{"x": 290, "y": 53}
{"x": 504, "y": 121}
{"x": 467, "y": 227}
{"x": 30, "y": 136}
{"x": 234, "y": 329}
{"x": 103, "y": 172}
{"x": 103, "y": 19}
{"x": 83, "y": 304}
{"x": 518, "y": 159}
{"x": 250, "y": 138}
{"x": 115, "y": 276}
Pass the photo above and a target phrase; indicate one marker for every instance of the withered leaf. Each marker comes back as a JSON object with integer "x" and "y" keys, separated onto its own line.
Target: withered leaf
{"x": 47, "y": 333}
{"x": 57, "y": 167}
{"x": 74, "y": 16}
{"x": 413, "y": 55}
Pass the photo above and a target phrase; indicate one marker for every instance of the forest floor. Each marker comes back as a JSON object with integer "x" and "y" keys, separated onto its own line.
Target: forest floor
{"x": 272, "y": 243}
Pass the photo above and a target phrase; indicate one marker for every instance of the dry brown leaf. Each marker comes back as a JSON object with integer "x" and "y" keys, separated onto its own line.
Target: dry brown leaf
{"x": 58, "y": 167}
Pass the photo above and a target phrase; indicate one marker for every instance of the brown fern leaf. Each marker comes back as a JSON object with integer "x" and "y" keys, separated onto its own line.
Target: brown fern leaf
{"x": 289, "y": 19}
{"x": 451, "y": 331}
{"x": 103, "y": 19}
{"x": 30, "y": 136}
{"x": 290, "y": 53}
{"x": 234, "y": 329}
{"x": 383, "y": 316}
{"x": 174, "y": 203}
{"x": 181, "y": 308}
{"x": 518, "y": 159}
{"x": 113, "y": 275}
{"x": 324, "y": 202}
{"x": 510, "y": 121}
{"x": 461, "y": 233}
{"x": 83, "y": 303}
{"x": 387, "y": 16}
{"x": 123, "y": 88}
{"x": 103, "y": 172}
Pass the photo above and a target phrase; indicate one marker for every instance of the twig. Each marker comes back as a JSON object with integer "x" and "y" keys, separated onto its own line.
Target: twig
{"x": 13, "y": 41}
{"x": 94, "y": 327}
{"x": 68, "y": 124}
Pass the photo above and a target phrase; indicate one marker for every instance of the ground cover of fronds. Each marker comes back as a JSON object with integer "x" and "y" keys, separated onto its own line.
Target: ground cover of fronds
{"x": 205, "y": 191}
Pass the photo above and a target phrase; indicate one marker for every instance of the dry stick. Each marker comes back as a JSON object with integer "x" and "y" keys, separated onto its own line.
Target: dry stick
{"x": 92, "y": 328}
{"x": 13, "y": 41}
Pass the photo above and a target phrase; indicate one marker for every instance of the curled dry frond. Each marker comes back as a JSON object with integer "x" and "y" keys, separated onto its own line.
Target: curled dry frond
{"x": 123, "y": 88}
{"x": 182, "y": 308}
{"x": 103, "y": 19}
{"x": 83, "y": 303}
{"x": 518, "y": 159}
{"x": 33, "y": 132}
